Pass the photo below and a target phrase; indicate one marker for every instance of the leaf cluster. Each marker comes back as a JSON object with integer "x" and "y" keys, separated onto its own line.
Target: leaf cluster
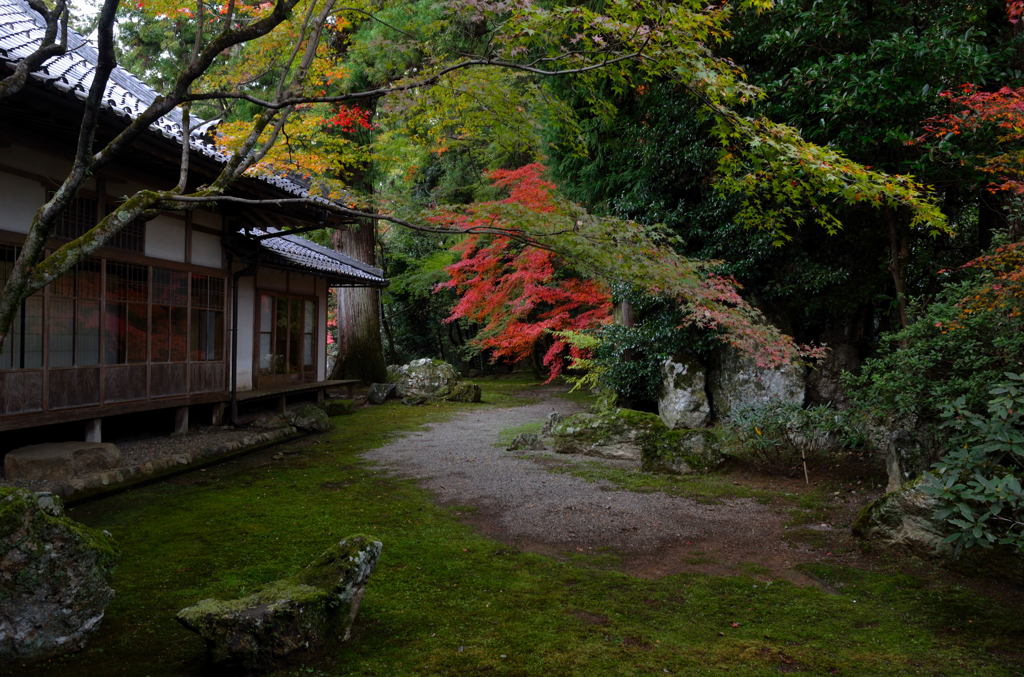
{"x": 978, "y": 483}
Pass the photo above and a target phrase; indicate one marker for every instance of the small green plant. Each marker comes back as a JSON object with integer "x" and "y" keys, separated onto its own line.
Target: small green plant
{"x": 778, "y": 436}
{"x": 978, "y": 483}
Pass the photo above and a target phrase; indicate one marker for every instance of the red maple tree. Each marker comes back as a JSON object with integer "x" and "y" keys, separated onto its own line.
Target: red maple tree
{"x": 994, "y": 121}
{"x": 518, "y": 292}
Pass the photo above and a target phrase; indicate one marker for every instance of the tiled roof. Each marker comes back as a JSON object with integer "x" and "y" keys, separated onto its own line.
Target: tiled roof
{"x": 297, "y": 252}
{"x": 21, "y": 31}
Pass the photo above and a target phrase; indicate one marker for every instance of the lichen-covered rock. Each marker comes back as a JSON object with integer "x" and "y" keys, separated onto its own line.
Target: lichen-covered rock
{"x": 629, "y": 435}
{"x": 553, "y": 419}
{"x": 309, "y": 417}
{"x": 464, "y": 391}
{"x": 526, "y": 442}
{"x": 59, "y": 462}
{"x": 615, "y": 434}
{"x": 54, "y": 577}
{"x": 906, "y": 518}
{"x": 316, "y": 606}
{"x": 425, "y": 378}
{"x": 737, "y": 381}
{"x": 683, "y": 402}
{"x": 380, "y": 392}
{"x": 269, "y": 422}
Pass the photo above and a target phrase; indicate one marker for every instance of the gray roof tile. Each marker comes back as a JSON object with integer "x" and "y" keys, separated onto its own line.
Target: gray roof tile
{"x": 309, "y": 256}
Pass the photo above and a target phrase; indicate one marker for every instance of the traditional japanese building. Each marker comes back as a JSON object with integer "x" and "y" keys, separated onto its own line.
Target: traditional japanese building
{"x": 203, "y": 307}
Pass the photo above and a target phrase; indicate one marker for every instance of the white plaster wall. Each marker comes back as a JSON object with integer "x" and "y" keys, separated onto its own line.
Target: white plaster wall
{"x": 19, "y": 200}
{"x": 246, "y": 317}
{"x": 206, "y": 249}
{"x": 165, "y": 238}
{"x": 302, "y": 284}
{"x": 320, "y": 341}
{"x": 268, "y": 278}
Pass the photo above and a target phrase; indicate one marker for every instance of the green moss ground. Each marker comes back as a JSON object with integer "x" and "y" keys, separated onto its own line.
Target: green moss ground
{"x": 445, "y": 601}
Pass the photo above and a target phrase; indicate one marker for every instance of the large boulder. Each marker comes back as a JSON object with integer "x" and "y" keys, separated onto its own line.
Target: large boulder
{"x": 683, "y": 402}
{"x": 905, "y": 517}
{"x": 54, "y": 577}
{"x": 736, "y": 381}
{"x": 312, "y": 608}
{"x": 636, "y": 436}
{"x": 60, "y": 462}
{"x": 425, "y": 378}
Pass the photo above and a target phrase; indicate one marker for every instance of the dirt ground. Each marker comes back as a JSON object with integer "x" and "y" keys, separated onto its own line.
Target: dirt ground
{"x": 516, "y": 499}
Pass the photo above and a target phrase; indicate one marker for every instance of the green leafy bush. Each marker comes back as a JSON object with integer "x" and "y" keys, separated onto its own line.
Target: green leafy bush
{"x": 978, "y": 483}
{"x": 628, "y": 359}
{"x": 941, "y": 357}
{"x": 777, "y": 436}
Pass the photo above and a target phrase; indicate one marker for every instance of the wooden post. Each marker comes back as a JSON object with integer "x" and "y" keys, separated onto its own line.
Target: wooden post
{"x": 94, "y": 430}
{"x": 217, "y": 418}
{"x": 180, "y": 421}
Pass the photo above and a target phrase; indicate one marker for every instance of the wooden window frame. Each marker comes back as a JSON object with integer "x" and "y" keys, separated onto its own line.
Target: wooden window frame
{"x": 305, "y": 373}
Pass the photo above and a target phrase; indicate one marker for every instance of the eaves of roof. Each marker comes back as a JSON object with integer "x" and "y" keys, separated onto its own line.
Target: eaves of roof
{"x": 270, "y": 246}
{"x": 22, "y": 30}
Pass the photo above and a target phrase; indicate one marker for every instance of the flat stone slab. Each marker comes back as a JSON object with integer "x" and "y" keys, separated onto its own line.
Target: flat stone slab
{"x": 60, "y": 461}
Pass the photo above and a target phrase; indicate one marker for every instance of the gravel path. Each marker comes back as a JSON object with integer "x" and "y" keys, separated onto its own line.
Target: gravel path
{"x": 521, "y": 503}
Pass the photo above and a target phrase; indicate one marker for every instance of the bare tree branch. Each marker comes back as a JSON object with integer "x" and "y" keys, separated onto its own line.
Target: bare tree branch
{"x": 379, "y": 92}
{"x": 176, "y": 201}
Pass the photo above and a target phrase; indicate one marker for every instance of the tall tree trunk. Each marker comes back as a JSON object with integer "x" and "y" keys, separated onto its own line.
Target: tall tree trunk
{"x": 360, "y": 352}
{"x": 899, "y": 249}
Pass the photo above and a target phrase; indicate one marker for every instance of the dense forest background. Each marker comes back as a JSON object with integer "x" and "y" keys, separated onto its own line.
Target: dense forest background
{"x": 704, "y": 217}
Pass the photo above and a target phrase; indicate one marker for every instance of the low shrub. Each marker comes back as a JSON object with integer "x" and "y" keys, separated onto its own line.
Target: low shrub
{"x": 778, "y": 436}
{"x": 978, "y": 483}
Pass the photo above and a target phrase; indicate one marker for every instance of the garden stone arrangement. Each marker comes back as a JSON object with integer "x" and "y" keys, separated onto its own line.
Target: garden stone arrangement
{"x": 55, "y": 577}
{"x": 304, "y": 611}
{"x": 422, "y": 381}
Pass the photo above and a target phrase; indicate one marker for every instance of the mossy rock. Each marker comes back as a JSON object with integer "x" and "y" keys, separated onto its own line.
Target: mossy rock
{"x": 309, "y": 417}
{"x": 424, "y": 378}
{"x": 464, "y": 391}
{"x": 627, "y": 434}
{"x": 55, "y": 576}
{"x": 687, "y": 450}
{"x": 309, "y": 609}
{"x": 905, "y": 518}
